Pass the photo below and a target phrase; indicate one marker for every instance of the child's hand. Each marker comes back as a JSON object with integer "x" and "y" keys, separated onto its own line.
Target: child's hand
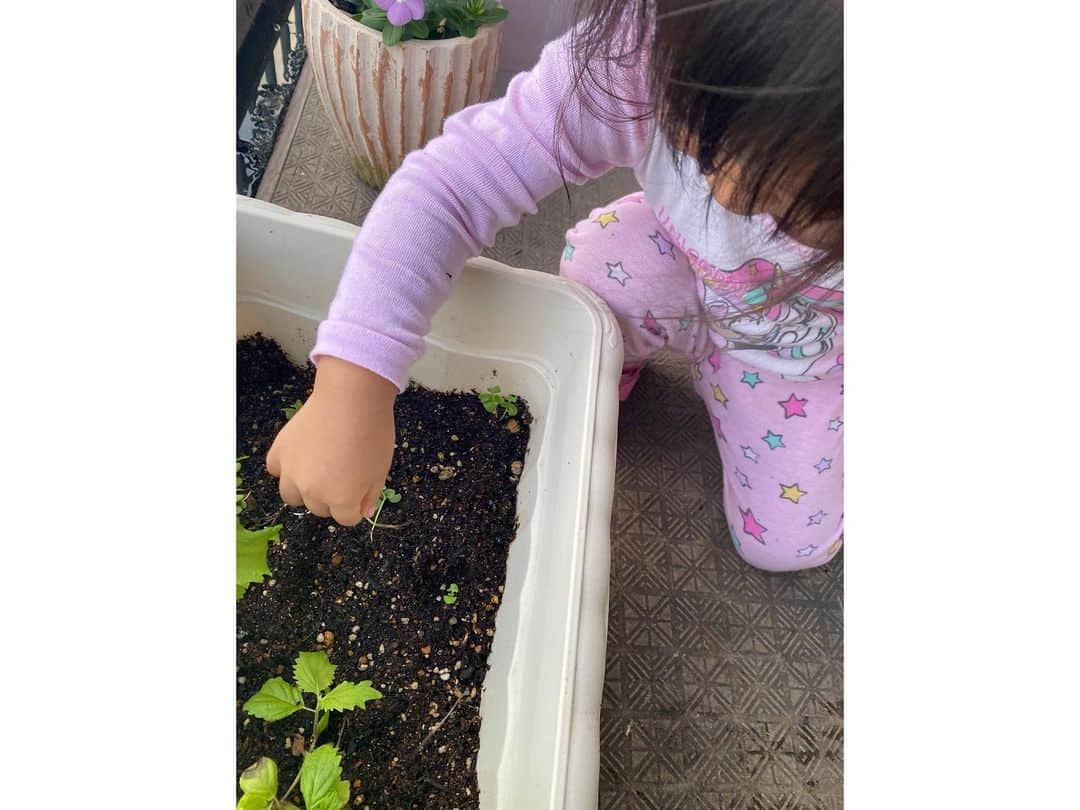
{"x": 334, "y": 454}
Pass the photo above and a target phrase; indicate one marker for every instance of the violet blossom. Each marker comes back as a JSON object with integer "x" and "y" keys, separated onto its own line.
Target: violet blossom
{"x": 402, "y": 12}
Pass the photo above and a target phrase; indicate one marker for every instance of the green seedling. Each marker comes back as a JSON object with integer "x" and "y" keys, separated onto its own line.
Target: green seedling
{"x": 493, "y": 399}
{"x": 319, "y": 777}
{"x": 251, "y": 546}
{"x": 450, "y": 597}
{"x": 386, "y": 496}
{"x": 291, "y": 410}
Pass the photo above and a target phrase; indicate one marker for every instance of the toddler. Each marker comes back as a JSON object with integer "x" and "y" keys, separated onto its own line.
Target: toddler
{"x": 731, "y": 114}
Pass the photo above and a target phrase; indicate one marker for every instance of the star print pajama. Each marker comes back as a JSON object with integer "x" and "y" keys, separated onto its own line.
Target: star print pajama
{"x": 780, "y": 439}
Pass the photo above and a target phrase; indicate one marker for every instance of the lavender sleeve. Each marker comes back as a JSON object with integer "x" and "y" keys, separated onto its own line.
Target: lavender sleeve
{"x": 492, "y": 164}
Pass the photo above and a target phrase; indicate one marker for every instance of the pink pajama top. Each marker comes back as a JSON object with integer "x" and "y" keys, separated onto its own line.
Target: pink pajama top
{"x": 495, "y": 161}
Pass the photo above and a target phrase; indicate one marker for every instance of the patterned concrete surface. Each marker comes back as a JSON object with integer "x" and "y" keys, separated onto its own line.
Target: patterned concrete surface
{"x": 724, "y": 684}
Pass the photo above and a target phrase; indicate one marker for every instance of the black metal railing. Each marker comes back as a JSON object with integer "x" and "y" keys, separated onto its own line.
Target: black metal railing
{"x": 268, "y": 64}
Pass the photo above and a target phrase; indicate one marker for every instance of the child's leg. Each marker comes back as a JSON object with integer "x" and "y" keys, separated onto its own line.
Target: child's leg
{"x": 782, "y": 450}
{"x": 621, "y": 253}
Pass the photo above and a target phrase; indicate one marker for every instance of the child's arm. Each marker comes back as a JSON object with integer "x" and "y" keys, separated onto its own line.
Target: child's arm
{"x": 493, "y": 163}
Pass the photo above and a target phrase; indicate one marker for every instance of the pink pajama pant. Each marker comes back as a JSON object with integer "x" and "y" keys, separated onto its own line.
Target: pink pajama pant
{"x": 780, "y": 441}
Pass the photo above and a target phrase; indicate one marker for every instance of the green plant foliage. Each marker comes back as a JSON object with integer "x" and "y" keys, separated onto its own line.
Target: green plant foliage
{"x": 259, "y": 784}
{"x": 321, "y": 784}
{"x": 386, "y": 496}
{"x": 346, "y": 696}
{"x": 493, "y": 399}
{"x": 320, "y": 779}
{"x": 450, "y": 597}
{"x": 275, "y": 700}
{"x": 443, "y": 19}
{"x": 251, "y": 546}
{"x": 290, "y": 410}
{"x": 313, "y": 672}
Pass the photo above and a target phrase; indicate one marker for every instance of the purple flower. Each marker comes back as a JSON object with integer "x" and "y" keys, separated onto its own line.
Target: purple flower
{"x": 401, "y": 12}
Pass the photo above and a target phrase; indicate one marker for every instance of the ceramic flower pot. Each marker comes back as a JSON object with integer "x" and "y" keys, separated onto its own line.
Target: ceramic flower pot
{"x": 383, "y": 102}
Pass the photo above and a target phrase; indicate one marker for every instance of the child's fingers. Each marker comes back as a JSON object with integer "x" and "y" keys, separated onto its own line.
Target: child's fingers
{"x": 316, "y": 506}
{"x": 367, "y": 503}
{"x": 273, "y": 461}
{"x": 347, "y": 515}
{"x": 289, "y": 492}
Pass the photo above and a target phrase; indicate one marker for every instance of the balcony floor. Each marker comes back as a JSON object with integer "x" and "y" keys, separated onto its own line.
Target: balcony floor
{"x": 724, "y": 684}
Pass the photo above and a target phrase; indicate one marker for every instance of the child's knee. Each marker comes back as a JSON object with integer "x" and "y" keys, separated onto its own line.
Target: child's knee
{"x": 784, "y": 540}
{"x": 603, "y": 247}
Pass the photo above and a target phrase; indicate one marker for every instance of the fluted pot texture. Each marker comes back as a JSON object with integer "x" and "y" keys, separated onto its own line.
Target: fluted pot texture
{"x": 384, "y": 102}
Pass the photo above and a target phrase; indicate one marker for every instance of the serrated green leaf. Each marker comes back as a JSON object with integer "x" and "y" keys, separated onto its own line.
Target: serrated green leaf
{"x": 251, "y": 565}
{"x": 391, "y": 36}
{"x": 313, "y": 671}
{"x": 249, "y": 802}
{"x": 261, "y": 779}
{"x": 277, "y": 699}
{"x": 490, "y": 407}
{"x": 343, "y": 793}
{"x": 495, "y": 390}
{"x": 511, "y": 408}
{"x": 347, "y": 695}
{"x": 320, "y": 776}
{"x": 321, "y": 726}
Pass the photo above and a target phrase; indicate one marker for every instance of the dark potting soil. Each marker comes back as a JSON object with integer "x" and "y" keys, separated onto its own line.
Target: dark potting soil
{"x": 378, "y": 604}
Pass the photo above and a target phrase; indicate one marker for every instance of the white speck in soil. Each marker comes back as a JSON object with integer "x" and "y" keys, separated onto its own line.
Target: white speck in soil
{"x": 320, "y": 638}
{"x": 241, "y": 679}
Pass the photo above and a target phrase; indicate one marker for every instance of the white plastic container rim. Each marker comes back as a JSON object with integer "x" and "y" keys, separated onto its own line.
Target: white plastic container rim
{"x": 556, "y": 344}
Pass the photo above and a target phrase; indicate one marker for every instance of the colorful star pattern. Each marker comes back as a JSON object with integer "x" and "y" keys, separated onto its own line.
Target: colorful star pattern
{"x": 715, "y": 359}
{"x": 774, "y": 440}
{"x": 615, "y": 271}
{"x": 791, "y": 492}
{"x": 568, "y": 252}
{"x": 823, "y": 465}
{"x": 606, "y": 219}
{"x": 717, "y": 427}
{"x": 665, "y": 247}
{"x": 836, "y": 423}
{"x": 685, "y": 321}
{"x": 815, "y": 519}
{"x": 750, "y": 525}
{"x": 741, "y": 477}
{"x": 748, "y": 452}
{"x": 751, "y": 378}
{"x": 835, "y": 547}
{"x": 719, "y": 395}
{"x": 805, "y": 551}
{"x": 653, "y": 326}
{"x": 793, "y": 406}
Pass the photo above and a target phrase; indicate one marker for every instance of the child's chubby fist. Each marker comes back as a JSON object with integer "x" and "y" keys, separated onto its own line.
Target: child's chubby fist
{"x": 334, "y": 454}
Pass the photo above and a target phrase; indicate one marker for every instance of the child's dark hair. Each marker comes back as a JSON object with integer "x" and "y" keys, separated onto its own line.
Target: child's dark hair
{"x": 752, "y": 85}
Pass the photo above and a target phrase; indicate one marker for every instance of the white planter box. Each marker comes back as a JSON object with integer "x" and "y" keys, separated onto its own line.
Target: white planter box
{"x": 554, "y": 343}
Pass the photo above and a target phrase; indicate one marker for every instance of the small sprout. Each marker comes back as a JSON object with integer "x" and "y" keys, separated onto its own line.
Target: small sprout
{"x": 451, "y": 594}
{"x": 388, "y": 495}
{"x": 291, "y": 410}
{"x": 493, "y": 399}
